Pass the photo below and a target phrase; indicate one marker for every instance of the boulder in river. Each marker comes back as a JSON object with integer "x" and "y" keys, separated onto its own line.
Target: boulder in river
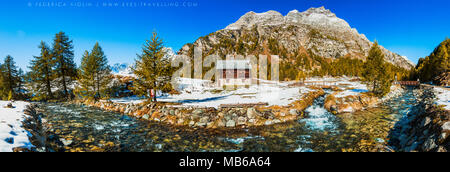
{"x": 446, "y": 126}
{"x": 230, "y": 123}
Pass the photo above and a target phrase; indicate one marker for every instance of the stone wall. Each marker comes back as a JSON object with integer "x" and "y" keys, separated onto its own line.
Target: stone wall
{"x": 34, "y": 125}
{"x": 211, "y": 118}
{"x": 426, "y": 128}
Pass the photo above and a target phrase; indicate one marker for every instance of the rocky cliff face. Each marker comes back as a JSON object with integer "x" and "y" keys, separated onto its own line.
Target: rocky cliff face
{"x": 316, "y": 31}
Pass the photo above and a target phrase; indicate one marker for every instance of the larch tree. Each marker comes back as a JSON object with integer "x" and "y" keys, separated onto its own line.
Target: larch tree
{"x": 153, "y": 70}
{"x": 437, "y": 63}
{"x": 41, "y": 73}
{"x": 11, "y": 78}
{"x": 64, "y": 63}
{"x": 94, "y": 74}
{"x": 377, "y": 73}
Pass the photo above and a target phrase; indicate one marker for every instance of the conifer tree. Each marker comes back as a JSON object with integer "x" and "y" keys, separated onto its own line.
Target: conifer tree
{"x": 377, "y": 73}
{"x": 11, "y": 78}
{"x": 65, "y": 66}
{"x": 152, "y": 69}
{"x": 94, "y": 74}
{"x": 41, "y": 74}
{"x": 435, "y": 64}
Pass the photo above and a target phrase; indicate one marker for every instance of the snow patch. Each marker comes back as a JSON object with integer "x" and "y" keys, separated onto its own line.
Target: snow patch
{"x": 442, "y": 97}
{"x": 11, "y": 132}
{"x": 202, "y": 94}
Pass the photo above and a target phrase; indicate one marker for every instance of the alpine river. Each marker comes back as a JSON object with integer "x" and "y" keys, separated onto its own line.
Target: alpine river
{"x": 80, "y": 128}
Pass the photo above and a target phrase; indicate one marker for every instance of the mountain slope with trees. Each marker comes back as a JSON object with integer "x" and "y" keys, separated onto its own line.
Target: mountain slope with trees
{"x": 435, "y": 67}
{"x": 310, "y": 43}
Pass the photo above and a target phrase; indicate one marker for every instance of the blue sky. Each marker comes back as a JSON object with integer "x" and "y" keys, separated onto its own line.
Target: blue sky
{"x": 410, "y": 28}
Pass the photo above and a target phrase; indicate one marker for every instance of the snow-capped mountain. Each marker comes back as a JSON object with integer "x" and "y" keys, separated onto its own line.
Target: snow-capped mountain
{"x": 122, "y": 69}
{"x": 316, "y": 30}
{"x": 169, "y": 53}
{"x": 125, "y": 69}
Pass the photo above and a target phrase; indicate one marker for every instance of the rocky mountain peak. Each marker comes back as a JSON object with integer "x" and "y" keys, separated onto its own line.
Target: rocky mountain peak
{"x": 251, "y": 18}
{"x": 317, "y": 30}
{"x": 320, "y": 18}
{"x": 320, "y": 10}
{"x": 317, "y": 17}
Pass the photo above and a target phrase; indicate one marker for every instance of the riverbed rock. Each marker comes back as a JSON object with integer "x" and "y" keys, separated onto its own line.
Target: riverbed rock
{"x": 66, "y": 142}
{"x": 180, "y": 121}
{"x": 251, "y": 113}
{"x": 230, "y": 123}
{"x": 242, "y": 111}
{"x": 220, "y": 114}
{"x": 221, "y": 123}
{"x": 191, "y": 123}
{"x": 200, "y": 124}
{"x": 227, "y": 117}
{"x": 146, "y": 117}
{"x": 429, "y": 145}
{"x": 241, "y": 120}
{"x": 197, "y": 112}
{"x": 443, "y": 136}
{"x": 204, "y": 119}
{"x": 441, "y": 149}
{"x": 446, "y": 126}
{"x": 425, "y": 121}
{"x": 293, "y": 112}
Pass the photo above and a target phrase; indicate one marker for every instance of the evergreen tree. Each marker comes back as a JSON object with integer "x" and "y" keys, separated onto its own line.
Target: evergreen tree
{"x": 435, "y": 64}
{"x": 152, "y": 69}
{"x": 65, "y": 66}
{"x": 94, "y": 74}
{"x": 377, "y": 72}
{"x": 41, "y": 74}
{"x": 11, "y": 78}
{"x": 86, "y": 86}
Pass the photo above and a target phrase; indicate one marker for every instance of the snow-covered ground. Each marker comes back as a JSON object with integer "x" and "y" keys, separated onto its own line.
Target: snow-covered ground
{"x": 351, "y": 88}
{"x": 442, "y": 97}
{"x": 132, "y": 99}
{"x": 273, "y": 94}
{"x": 202, "y": 93}
{"x": 11, "y": 132}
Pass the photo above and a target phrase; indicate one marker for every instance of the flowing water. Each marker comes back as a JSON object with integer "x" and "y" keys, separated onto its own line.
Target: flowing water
{"x": 81, "y": 128}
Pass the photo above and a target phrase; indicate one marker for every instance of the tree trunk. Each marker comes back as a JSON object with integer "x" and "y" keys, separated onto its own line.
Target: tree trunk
{"x": 49, "y": 89}
{"x": 63, "y": 73}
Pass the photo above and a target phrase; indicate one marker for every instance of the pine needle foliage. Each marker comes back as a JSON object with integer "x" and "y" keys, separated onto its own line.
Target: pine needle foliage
{"x": 153, "y": 70}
